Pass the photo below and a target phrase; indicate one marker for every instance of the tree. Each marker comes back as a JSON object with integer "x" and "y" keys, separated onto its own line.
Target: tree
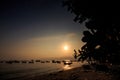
{"x": 103, "y": 36}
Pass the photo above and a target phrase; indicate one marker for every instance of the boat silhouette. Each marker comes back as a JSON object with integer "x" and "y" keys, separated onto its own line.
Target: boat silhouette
{"x": 67, "y": 62}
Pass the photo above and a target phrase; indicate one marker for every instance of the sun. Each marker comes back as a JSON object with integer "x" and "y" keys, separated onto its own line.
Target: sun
{"x": 66, "y": 47}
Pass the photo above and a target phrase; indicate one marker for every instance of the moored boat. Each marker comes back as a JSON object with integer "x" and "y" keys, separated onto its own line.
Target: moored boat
{"x": 67, "y": 62}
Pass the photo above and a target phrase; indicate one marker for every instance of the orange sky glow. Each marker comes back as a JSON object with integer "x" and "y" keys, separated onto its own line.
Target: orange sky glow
{"x": 43, "y": 47}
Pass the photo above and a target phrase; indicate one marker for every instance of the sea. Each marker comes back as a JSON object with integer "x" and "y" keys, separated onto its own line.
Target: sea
{"x": 19, "y": 70}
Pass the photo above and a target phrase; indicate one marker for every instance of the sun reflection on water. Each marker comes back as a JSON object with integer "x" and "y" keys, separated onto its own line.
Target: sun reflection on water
{"x": 67, "y": 67}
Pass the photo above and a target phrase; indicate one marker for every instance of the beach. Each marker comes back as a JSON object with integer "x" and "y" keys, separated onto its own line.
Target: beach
{"x": 53, "y": 71}
{"x": 78, "y": 73}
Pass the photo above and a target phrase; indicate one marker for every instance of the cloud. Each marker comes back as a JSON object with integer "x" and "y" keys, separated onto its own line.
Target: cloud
{"x": 56, "y": 37}
{"x": 71, "y": 35}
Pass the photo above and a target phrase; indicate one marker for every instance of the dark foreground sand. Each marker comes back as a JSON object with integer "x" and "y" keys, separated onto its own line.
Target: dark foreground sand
{"x": 73, "y": 74}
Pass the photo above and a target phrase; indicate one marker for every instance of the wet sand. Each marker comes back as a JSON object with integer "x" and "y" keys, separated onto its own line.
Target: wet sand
{"x": 72, "y": 74}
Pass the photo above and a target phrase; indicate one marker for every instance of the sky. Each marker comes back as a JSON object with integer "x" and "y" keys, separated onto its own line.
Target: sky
{"x": 37, "y": 29}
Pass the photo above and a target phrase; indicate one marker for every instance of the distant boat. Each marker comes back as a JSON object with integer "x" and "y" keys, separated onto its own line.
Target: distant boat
{"x": 31, "y": 61}
{"x": 58, "y": 62}
{"x": 47, "y": 61}
{"x": 38, "y": 60}
{"x": 42, "y": 61}
{"x": 53, "y": 61}
{"x": 24, "y": 61}
{"x": 67, "y": 62}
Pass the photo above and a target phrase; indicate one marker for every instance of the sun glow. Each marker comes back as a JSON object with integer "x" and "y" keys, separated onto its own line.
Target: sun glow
{"x": 65, "y": 47}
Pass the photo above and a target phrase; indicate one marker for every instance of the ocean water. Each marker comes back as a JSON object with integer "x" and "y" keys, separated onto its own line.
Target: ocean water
{"x": 19, "y": 70}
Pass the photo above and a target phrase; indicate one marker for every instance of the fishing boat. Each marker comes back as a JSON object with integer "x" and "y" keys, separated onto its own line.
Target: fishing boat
{"x": 67, "y": 62}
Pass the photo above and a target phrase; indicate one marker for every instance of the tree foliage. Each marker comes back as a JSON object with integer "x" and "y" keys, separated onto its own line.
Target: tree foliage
{"x": 102, "y": 40}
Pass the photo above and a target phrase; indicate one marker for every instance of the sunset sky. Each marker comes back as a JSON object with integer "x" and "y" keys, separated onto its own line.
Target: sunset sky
{"x": 37, "y": 29}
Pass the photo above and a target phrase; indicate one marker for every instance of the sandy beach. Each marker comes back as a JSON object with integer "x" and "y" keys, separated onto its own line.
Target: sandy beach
{"x": 73, "y": 74}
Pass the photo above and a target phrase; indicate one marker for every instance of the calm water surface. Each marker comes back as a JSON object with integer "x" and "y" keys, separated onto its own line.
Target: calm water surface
{"x": 9, "y": 71}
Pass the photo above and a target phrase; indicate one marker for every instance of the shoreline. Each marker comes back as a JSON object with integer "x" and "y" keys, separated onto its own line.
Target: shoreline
{"x": 78, "y": 73}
